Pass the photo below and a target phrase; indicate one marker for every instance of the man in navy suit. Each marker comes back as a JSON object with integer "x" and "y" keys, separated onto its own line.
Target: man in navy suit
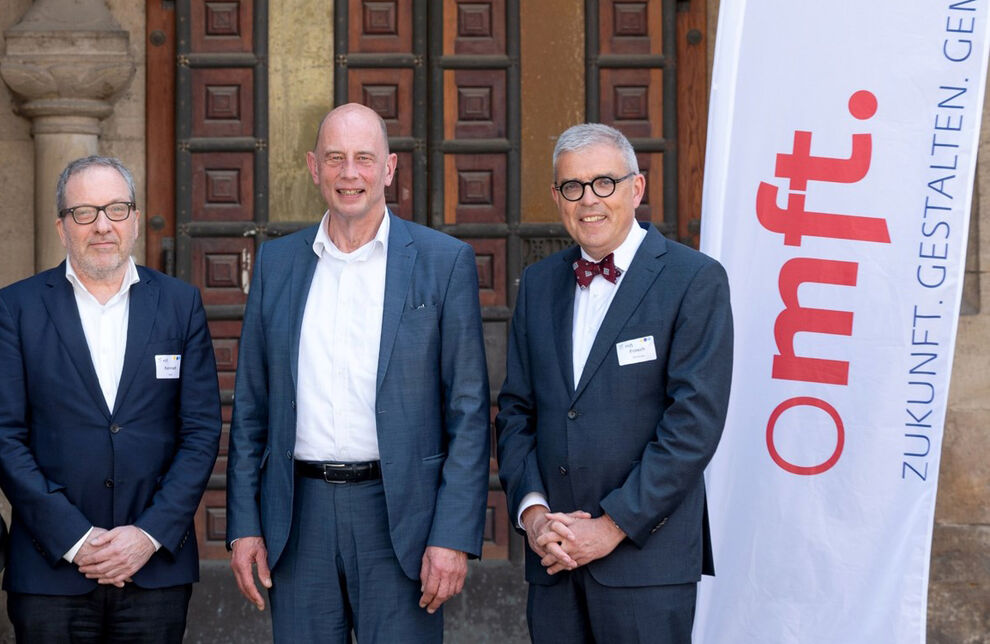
{"x": 618, "y": 375}
{"x": 109, "y": 427}
{"x": 358, "y": 469}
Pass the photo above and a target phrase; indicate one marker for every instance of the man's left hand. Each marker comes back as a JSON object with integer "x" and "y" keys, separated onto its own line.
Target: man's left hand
{"x": 118, "y": 554}
{"x": 442, "y": 573}
{"x": 592, "y": 539}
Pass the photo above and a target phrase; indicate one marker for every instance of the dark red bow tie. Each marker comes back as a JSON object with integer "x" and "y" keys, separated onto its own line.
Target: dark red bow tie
{"x": 585, "y": 271}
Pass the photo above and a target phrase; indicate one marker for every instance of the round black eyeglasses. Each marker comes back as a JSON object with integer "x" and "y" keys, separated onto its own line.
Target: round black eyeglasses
{"x": 86, "y": 214}
{"x": 573, "y": 190}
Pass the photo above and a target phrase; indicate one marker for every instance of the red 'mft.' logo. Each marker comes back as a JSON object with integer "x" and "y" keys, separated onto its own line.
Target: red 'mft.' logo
{"x": 795, "y": 222}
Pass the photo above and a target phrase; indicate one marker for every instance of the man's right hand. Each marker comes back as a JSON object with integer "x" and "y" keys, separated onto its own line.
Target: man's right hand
{"x": 535, "y": 522}
{"x": 87, "y": 548}
{"x": 249, "y": 552}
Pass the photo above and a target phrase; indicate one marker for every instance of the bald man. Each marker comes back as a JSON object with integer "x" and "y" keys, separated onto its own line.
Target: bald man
{"x": 358, "y": 470}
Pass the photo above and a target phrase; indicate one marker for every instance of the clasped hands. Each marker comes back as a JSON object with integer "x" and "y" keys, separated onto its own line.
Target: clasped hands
{"x": 112, "y": 556}
{"x": 566, "y": 540}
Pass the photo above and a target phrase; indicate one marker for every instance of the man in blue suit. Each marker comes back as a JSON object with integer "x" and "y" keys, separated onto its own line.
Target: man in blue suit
{"x": 109, "y": 427}
{"x": 358, "y": 468}
{"x": 618, "y": 375}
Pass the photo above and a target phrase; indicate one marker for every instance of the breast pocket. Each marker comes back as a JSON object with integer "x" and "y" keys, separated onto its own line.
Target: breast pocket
{"x": 420, "y": 314}
{"x": 173, "y": 345}
{"x": 419, "y": 327}
{"x": 638, "y": 357}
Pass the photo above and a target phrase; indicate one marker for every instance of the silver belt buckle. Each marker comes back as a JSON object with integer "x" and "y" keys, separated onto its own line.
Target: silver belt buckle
{"x": 326, "y": 468}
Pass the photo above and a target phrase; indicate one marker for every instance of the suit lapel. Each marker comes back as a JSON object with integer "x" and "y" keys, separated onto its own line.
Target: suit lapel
{"x": 563, "y": 314}
{"x": 398, "y": 275}
{"x": 61, "y": 305}
{"x": 303, "y": 267}
{"x": 643, "y": 271}
{"x": 142, "y": 309}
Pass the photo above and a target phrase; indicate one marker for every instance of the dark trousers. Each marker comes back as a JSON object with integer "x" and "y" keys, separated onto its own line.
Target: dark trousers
{"x": 577, "y": 609}
{"x": 108, "y": 614}
{"x": 339, "y": 572}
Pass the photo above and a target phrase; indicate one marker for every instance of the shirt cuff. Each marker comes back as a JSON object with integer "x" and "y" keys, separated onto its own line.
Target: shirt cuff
{"x": 71, "y": 554}
{"x": 154, "y": 541}
{"x": 531, "y": 499}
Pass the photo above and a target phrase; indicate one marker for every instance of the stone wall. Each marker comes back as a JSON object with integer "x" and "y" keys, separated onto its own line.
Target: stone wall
{"x": 16, "y": 173}
{"x": 959, "y": 586}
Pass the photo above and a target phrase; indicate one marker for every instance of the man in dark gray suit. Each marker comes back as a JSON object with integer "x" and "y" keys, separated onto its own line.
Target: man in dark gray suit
{"x": 619, "y": 363}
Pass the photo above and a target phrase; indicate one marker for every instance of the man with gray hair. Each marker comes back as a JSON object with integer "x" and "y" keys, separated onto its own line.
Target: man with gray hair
{"x": 619, "y": 363}
{"x": 109, "y": 428}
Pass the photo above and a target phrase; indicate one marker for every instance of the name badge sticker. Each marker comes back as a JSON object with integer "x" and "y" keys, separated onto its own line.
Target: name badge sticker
{"x": 167, "y": 367}
{"x": 636, "y": 351}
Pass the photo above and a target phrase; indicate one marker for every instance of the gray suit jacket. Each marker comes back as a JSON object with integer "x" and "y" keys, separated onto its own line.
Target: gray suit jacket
{"x": 432, "y": 395}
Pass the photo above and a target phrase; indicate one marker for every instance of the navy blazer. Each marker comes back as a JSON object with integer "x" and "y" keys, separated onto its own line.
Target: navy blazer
{"x": 67, "y": 462}
{"x": 432, "y": 395}
{"x": 633, "y": 440}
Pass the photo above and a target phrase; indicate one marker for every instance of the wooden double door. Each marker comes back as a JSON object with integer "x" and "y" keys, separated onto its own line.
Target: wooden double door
{"x": 452, "y": 80}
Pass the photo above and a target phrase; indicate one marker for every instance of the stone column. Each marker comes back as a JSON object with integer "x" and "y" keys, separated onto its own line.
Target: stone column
{"x": 66, "y": 63}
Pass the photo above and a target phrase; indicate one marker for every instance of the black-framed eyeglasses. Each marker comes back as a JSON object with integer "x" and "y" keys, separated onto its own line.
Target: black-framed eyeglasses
{"x": 86, "y": 214}
{"x": 573, "y": 190}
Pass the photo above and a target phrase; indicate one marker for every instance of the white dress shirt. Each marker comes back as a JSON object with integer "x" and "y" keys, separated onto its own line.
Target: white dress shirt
{"x": 590, "y": 306}
{"x": 105, "y": 328}
{"x": 592, "y": 303}
{"x": 338, "y": 351}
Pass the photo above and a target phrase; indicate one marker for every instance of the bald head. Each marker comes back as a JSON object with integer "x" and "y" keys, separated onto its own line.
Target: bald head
{"x": 352, "y": 166}
{"x": 352, "y": 109}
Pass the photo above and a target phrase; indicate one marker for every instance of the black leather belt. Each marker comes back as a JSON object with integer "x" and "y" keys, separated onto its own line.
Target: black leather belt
{"x": 340, "y": 472}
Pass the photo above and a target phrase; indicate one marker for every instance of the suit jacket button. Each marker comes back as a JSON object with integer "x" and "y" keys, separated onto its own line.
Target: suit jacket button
{"x": 293, "y": 404}
{"x": 108, "y": 482}
{"x": 563, "y": 470}
{"x": 114, "y": 428}
{"x": 571, "y": 414}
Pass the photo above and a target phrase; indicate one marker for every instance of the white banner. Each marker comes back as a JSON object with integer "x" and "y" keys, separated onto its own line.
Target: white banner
{"x": 840, "y": 164}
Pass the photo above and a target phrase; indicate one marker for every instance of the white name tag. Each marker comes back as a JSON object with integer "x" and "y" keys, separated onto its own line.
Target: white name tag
{"x": 167, "y": 367}
{"x": 634, "y": 351}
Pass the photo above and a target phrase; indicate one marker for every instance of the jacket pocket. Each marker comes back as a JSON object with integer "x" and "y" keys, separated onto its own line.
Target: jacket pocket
{"x": 54, "y": 487}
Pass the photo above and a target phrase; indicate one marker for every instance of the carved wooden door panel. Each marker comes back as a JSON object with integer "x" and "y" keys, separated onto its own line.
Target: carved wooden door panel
{"x": 646, "y": 76}
{"x": 204, "y": 224}
{"x": 221, "y": 191}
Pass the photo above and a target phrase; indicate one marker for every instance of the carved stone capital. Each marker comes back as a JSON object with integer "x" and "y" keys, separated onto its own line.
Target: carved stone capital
{"x": 67, "y": 58}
